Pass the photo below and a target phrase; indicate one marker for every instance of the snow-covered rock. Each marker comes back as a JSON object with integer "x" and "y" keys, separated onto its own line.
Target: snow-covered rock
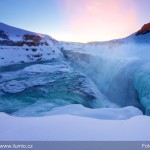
{"x": 47, "y": 68}
{"x": 10, "y": 85}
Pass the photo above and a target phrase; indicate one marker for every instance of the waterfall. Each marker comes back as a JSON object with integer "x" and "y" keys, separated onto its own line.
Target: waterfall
{"x": 124, "y": 82}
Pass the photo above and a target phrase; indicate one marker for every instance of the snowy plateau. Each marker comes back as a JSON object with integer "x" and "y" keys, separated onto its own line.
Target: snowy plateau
{"x": 65, "y": 91}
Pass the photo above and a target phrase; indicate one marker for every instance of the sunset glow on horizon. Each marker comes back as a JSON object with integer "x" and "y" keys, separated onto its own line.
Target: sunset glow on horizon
{"x": 77, "y": 20}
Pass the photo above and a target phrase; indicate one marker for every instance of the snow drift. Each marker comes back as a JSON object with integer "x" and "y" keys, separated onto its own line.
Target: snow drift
{"x": 73, "y": 128}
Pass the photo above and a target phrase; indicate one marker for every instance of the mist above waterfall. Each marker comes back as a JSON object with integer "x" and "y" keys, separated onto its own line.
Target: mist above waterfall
{"x": 121, "y": 72}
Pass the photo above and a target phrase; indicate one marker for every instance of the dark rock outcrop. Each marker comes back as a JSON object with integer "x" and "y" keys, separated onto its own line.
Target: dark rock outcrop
{"x": 144, "y": 30}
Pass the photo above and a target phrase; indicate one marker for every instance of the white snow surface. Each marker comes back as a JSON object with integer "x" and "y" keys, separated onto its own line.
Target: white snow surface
{"x": 99, "y": 113}
{"x": 47, "y": 68}
{"x": 13, "y": 54}
{"x": 73, "y": 128}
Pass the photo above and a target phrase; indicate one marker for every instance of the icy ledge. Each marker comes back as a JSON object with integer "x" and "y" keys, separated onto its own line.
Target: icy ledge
{"x": 68, "y": 128}
{"x": 99, "y": 113}
{"x": 38, "y": 68}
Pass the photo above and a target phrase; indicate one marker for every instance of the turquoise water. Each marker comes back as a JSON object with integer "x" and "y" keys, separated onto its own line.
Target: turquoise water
{"x": 115, "y": 83}
{"x": 42, "y": 91}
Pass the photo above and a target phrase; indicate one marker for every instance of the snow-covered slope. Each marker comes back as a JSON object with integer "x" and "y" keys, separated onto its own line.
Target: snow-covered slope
{"x": 142, "y": 36}
{"x": 12, "y": 36}
{"x": 20, "y": 46}
{"x": 10, "y": 55}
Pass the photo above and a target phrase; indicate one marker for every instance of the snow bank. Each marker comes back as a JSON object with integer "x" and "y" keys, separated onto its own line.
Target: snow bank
{"x": 79, "y": 110}
{"x": 47, "y": 68}
{"x": 73, "y": 128}
{"x": 99, "y": 113}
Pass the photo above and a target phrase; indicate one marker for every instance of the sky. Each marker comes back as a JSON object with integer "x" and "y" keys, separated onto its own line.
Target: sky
{"x": 77, "y": 20}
